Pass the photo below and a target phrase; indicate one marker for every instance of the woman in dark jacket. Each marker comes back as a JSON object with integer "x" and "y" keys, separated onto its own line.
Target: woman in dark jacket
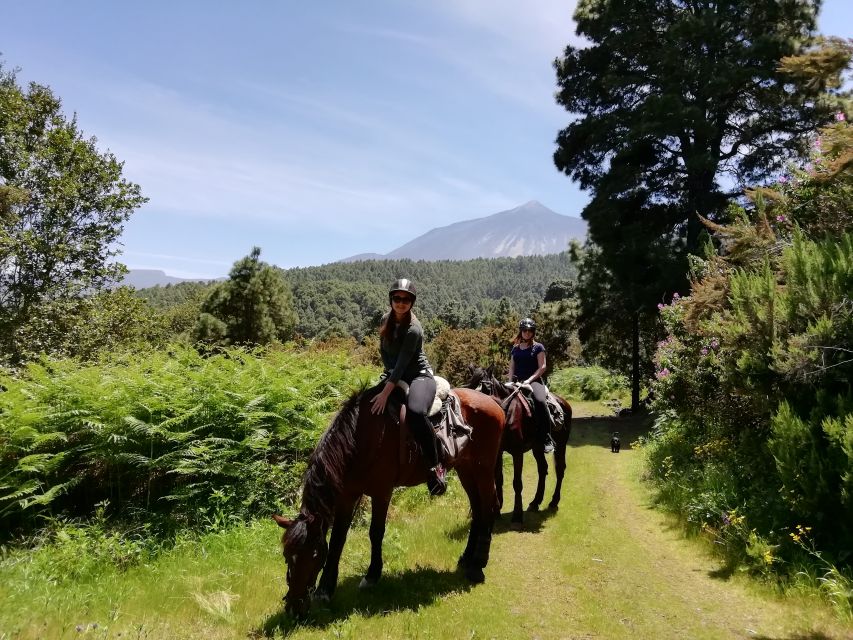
{"x": 401, "y": 347}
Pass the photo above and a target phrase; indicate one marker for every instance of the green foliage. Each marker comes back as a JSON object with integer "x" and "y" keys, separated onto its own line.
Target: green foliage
{"x": 86, "y": 328}
{"x": 348, "y": 299}
{"x": 754, "y": 380}
{"x": 174, "y": 438}
{"x": 453, "y": 350}
{"x": 62, "y": 208}
{"x": 670, "y": 99}
{"x": 253, "y": 307}
{"x": 588, "y": 383}
{"x": 460, "y": 294}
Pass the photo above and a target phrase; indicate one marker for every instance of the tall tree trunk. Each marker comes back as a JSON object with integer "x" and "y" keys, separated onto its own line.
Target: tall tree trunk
{"x": 635, "y": 363}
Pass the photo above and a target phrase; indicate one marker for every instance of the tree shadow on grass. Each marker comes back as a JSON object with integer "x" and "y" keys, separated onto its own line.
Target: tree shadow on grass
{"x": 534, "y": 521}
{"x": 409, "y": 590}
{"x": 808, "y": 635}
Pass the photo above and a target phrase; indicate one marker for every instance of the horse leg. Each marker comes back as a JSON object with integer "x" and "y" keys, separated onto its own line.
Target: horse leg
{"x": 343, "y": 519}
{"x": 542, "y": 468}
{"x": 467, "y": 555}
{"x": 378, "y": 516}
{"x": 483, "y": 500}
{"x": 517, "y": 485}
{"x": 560, "y": 470}
{"x": 499, "y": 482}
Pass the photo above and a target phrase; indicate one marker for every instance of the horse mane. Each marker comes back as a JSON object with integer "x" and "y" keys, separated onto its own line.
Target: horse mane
{"x": 328, "y": 464}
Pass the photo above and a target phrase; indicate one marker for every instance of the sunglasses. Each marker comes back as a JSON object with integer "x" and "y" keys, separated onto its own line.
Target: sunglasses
{"x": 401, "y": 299}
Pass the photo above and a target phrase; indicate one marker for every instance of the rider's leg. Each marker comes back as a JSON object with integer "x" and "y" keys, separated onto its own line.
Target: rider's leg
{"x": 421, "y": 395}
{"x": 541, "y": 417}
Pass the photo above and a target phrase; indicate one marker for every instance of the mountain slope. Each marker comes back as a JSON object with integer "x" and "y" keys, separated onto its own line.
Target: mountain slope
{"x": 530, "y": 229}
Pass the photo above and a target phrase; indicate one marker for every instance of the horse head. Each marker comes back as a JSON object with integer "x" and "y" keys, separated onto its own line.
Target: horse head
{"x": 304, "y": 548}
{"x": 484, "y": 380}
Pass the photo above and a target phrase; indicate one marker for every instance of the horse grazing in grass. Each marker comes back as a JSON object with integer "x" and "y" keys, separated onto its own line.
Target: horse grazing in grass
{"x": 366, "y": 454}
{"x": 519, "y": 436}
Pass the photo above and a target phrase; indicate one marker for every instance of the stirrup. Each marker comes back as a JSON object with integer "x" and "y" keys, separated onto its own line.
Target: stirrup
{"x": 437, "y": 480}
{"x": 548, "y": 445}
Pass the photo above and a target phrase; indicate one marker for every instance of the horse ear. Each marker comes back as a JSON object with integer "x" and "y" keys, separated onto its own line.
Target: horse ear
{"x": 284, "y": 523}
{"x": 490, "y": 370}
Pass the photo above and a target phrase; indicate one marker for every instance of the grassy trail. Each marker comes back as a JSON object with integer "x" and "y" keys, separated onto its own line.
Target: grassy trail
{"x": 605, "y": 566}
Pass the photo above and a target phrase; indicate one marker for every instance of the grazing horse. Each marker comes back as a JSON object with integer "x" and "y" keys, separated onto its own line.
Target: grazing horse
{"x": 519, "y": 436}
{"x": 366, "y": 454}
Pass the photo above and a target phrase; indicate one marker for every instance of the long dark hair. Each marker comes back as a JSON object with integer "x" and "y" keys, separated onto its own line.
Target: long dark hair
{"x": 389, "y": 324}
{"x": 518, "y": 339}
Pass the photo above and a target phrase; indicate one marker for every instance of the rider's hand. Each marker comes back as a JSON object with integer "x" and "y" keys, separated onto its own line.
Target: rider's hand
{"x": 377, "y": 405}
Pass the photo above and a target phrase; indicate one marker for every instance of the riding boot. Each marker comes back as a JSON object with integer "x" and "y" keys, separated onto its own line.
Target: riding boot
{"x": 425, "y": 437}
{"x": 543, "y": 428}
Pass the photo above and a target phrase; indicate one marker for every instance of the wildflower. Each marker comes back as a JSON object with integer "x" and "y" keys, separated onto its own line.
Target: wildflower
{"x": 715, "y": 343}
{"x": 704, "y": 351}
{"x": 768, "y": 558}
{"x": 781, "y": 218}
{"x": 676, "y": 296}
{"x": 817, "y": 143}
{"x": 726, "y": 519}
{"x": 663, "y": 373}
{"x": 840, "y": 117}
{"x": 661, "y": 305}
{"x": 783, "y": 179}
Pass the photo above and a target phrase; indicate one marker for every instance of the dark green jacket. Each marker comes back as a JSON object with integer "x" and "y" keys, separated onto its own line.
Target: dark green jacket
{"x": 403, "y": 357}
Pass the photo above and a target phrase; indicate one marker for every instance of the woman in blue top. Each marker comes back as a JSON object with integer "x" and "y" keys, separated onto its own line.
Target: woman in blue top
{"x": 527, "y": 365}
{"x": 401, "y": 347}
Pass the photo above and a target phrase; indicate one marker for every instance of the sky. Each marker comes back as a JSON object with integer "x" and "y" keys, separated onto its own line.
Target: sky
{"x": 314, "y": 130}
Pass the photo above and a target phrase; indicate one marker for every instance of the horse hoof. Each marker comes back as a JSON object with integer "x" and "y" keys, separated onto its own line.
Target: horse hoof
{"x": 366, "y": 583}
{"x": 475, "y": 575}
{"x": 320, "y": 597}
{"x": 462, "y": 563}
{"x": 554, "y": 506}
{"x": 532, "y": 508}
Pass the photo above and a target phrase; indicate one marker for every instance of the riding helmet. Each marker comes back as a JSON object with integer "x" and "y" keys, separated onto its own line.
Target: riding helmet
{"x": 527, "y": 323}
{"x": 403, "y": 284}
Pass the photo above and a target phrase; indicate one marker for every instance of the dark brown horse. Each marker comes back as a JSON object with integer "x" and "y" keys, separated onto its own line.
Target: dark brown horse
{"x": 363, "y": 454}
{"x": 519, "y": 437}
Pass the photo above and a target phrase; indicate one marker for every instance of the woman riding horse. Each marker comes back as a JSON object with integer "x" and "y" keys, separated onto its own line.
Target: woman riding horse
{"x": 401, "y": 348}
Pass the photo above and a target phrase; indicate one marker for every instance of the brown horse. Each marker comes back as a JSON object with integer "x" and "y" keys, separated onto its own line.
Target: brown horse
{"x": 519, "y": 437}
{"x": 363, "y": 454}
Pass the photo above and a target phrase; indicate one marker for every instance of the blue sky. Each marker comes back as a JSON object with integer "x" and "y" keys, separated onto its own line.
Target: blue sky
{"x": 313, "y": 130}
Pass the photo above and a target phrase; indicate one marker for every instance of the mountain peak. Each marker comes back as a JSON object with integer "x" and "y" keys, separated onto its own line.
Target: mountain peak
{"x": 528, "y": 229}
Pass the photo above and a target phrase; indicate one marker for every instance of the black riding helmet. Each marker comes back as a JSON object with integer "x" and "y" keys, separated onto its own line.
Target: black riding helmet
{"x": 403, "y": 284}
{"x": 527, "y": 323}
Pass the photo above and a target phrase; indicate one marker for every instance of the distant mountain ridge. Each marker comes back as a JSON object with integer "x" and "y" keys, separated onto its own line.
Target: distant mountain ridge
{"x": 530, "y": 229}
{"x": 143, "y": 278}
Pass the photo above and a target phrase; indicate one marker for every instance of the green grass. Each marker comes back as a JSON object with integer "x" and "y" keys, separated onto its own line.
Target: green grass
{"x": 606, "y": 565}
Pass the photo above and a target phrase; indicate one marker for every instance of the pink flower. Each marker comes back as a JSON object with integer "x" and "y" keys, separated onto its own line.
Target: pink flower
{"x": 704, "y": 351}
{"x": 663, "y": 373}
{"x": 840, "y": 117}
{"x": 676, "y": 296}
{"x": 780, "y": 218}
{"x": 783, "y": 179}
{"x": 715, "y": 343}
{"x": 660, "y": 305}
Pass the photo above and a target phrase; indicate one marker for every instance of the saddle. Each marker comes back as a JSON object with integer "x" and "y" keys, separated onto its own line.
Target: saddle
{"x": 555, "y": 410}
{"x": 445, "y": 414}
